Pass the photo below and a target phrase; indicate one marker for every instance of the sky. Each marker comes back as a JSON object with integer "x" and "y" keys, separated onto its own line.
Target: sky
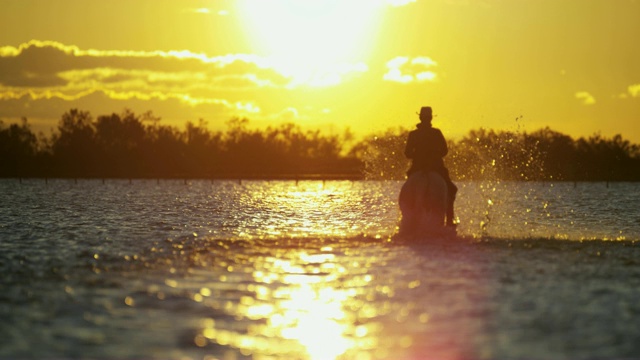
{"x": 366, "y": 65}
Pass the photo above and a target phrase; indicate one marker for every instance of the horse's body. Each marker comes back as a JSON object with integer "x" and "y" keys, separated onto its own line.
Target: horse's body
{"x": 423, "y": 203}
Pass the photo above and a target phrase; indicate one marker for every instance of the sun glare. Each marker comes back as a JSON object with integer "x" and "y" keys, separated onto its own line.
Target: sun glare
{"x": 312, "y": 41}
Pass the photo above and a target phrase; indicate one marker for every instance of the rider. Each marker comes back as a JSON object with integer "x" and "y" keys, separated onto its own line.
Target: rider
{"x": 427, "y": 147}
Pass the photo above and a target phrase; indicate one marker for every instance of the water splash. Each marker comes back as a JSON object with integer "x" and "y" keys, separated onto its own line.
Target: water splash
{"x": 383, "y": 156}
{"x": 495, "y": 159}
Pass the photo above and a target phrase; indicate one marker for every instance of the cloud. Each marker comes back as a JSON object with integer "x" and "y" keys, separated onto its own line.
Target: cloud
{"x": 186, "y": 99}
{"x": 42, "y": 79}
{"x": 205, "y": 11}
{"x": 46, "y": 69}
{"x": 400, "y": 2}
{"x": 289, "y": 114}
{"x": 329, "y": 76}
{"x": 406, "y": 70}
{"x": 44, "y": 114}
{"x": 178, "y": 84}
{"x": 586, "y": 97}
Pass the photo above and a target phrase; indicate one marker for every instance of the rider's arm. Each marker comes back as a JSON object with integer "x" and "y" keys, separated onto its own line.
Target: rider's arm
{"x": 410, "y": 149}
{"x": 442, "y": 148}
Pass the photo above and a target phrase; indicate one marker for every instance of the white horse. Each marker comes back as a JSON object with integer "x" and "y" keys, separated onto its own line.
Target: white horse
{"x": 423, "y": 204}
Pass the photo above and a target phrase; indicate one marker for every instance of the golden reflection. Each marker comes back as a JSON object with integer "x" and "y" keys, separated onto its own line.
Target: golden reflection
{"x": 315, "y": 319}
{"x": 296, "y": 310}
{"x": 306, "y": 208}
{"x": 310, "y": 311}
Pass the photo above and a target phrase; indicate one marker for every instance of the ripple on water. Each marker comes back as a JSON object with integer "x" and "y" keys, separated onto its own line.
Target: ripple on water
{"x": 260, "y": 269}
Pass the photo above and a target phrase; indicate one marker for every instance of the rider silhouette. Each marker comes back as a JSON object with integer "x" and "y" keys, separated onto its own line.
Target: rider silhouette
{"x": 426, "y": 147}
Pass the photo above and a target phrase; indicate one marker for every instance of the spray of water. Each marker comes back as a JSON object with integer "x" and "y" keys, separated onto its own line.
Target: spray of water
{"x": 505, "y": 178}
{"x": 383, "y": 156}
{"x": 494, "y": 161}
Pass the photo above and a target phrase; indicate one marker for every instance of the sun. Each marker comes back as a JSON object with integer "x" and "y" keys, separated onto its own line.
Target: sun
{"x": 312, "y": 40}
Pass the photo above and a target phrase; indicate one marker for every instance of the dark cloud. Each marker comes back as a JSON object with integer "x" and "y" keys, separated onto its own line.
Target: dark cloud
{"x": 42, "y": 64}
{"x": 44, "y": 114}
{"x": 33, "y": 67}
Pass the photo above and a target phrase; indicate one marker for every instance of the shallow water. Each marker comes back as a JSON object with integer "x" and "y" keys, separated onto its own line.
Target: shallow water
{"x": 310, "y": 270}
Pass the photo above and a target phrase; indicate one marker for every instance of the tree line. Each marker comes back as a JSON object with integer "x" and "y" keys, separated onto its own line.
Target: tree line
{"x": 129, "y": 145}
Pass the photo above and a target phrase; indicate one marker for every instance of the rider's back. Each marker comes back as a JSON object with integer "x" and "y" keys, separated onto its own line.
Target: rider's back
{"x": 426, "y": 147}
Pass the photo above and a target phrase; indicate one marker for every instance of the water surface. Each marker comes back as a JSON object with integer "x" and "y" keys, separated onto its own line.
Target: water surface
{"x": 310, "y": 270}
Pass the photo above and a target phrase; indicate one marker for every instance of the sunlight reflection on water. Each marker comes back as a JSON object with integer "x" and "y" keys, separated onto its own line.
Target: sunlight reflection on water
{"x": 324, "y": 299}
{"x": 314, "y": 208}
{"x": 295, "y": 299}
{"x": 308, "y": 270}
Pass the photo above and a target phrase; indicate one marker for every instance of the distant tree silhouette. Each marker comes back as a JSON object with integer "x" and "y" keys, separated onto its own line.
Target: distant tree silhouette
{"x": 18, "y": 150}
{"x": 555, "y": 152}
{"x": 204, "y": 150}
{"x": 166, "y": 152}
{"x": 285, "y": 149}
{"x": 119, "y": 140}
{"x": 129, "y": 145}
{"x": 602, "y": 159}
{"x": 73, "y": 146}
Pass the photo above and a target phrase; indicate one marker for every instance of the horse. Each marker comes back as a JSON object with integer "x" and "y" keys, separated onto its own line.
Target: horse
{"x": 423, "y": 204}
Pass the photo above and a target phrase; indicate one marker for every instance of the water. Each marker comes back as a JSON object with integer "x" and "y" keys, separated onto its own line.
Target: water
{"x": 311, "y": 270}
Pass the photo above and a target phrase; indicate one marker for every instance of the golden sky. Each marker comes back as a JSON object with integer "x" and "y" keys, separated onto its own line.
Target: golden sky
{"x": 519, "y": 65}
